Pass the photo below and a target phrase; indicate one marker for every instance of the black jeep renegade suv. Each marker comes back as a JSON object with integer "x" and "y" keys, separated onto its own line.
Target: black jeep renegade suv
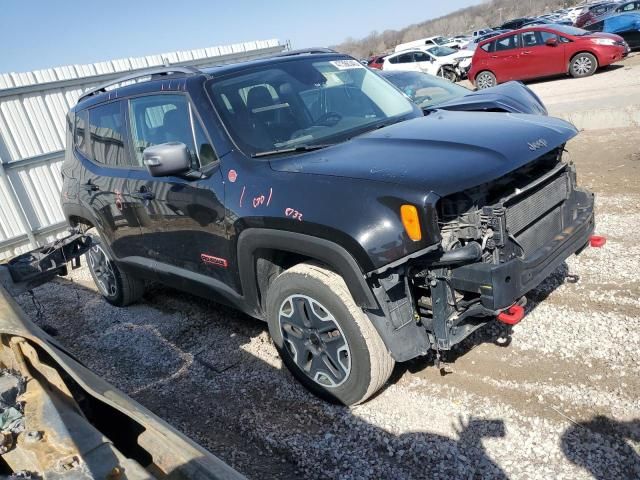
{"x": 307, "y": 191}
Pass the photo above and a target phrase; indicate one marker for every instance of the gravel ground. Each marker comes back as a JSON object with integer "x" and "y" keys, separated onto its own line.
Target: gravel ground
{"x": 560, "y": 401}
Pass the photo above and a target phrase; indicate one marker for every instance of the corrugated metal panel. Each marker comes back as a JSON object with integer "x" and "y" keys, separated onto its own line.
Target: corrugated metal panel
{"x": 33, "y": 106}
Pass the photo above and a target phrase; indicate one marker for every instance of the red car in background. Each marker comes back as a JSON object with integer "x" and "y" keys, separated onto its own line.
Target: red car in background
{"x": 376, "y": 61}
{"x": 543, "y": 51}
{"x": 591, "y": 13}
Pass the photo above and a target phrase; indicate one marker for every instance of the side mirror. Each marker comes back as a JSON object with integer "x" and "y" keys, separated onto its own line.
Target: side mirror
{"x": 551, "y": 42}
{"x": 167, "y": 159}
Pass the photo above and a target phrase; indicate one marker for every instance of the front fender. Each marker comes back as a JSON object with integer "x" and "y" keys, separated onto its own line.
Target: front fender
{"x": 322, "y": 250}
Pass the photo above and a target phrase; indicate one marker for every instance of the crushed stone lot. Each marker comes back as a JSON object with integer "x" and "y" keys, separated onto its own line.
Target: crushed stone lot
{"x": 561, "y": 400}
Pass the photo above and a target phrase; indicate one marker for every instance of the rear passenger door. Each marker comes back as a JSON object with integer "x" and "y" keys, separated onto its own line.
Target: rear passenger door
{"x": 101, "y": 143}
{"x": 505, "y": 58}
{"x": 539, "y": 59}
{"x": 182, "y": 218}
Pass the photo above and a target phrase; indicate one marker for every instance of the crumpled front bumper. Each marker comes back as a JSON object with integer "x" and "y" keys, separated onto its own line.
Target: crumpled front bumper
{"x": 500, "y": 285}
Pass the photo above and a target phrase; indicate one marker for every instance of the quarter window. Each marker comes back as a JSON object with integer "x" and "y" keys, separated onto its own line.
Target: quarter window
{"x": 79, "y": 135}
{"x": 157, "y": 119}
{"x": 106, "y": 130}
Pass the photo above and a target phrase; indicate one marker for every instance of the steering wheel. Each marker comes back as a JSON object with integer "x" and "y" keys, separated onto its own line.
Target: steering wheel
{"x": 329, "y": 119}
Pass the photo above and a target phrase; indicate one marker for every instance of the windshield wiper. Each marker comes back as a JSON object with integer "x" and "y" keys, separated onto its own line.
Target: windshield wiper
{"x": 299, "y": 148}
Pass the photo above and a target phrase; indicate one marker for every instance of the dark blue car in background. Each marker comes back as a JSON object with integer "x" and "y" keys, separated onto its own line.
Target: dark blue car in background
{"x": 627, "y": 25}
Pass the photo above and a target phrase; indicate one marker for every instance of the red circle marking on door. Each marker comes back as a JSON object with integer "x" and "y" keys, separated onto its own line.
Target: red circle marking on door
{"x": 233, "y": 175}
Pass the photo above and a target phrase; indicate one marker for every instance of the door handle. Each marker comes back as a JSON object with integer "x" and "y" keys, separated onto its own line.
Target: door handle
{"x": 494, "y": 56}
{"x": 90, "y": 186}
{"x": 526, "y": 52}
{"x": 143, "y": 194}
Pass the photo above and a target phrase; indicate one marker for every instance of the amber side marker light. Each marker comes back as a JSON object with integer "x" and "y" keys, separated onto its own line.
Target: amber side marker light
{"x": 411, "y": 222}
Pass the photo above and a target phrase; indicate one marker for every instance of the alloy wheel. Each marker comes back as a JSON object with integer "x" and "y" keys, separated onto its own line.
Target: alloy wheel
{"x": 103, "y": 270}
{"x": 484, "y": 80}
{"x": 315, "y": 341}
{"x": 582, "y": 65}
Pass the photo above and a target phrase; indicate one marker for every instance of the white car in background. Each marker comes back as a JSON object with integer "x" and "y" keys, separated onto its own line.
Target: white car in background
{"x": 441, "y": 61}
{"x": 457, "y": 42}
{"x": 421, "y": 42}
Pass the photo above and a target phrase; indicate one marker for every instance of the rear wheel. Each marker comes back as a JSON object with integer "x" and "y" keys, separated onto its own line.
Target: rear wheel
{"x": 485, "y": 79}
{"x": 583, "y": 65}
{"x": 323, "y": 337}
{"x": 117, "y": 287}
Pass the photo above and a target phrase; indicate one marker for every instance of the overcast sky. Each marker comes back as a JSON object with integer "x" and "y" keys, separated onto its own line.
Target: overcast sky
{"x": 38, "y": 34}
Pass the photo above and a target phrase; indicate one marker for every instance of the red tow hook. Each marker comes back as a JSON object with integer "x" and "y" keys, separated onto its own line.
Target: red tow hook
{"x": 512, "y": 315}
{"x": 597, "y": 241}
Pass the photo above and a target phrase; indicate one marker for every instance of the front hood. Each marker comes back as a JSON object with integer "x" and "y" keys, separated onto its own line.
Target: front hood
{"x": 511, "y": 97}
{"x": 444, "y": 152}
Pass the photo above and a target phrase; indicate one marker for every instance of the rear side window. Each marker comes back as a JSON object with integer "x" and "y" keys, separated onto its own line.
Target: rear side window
{"x": 406, "y": 58}
{"x": 489, "y": 47}
{"x": 80, "y": 131}
{"x": 107, "y": 135}
{"x": 531, "y": 39}
{"x": 507, "y": 43}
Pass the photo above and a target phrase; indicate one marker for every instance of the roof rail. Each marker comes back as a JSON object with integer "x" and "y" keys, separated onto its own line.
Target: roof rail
{"x": 310, "y": 51}
{"x": 140, "y": 74}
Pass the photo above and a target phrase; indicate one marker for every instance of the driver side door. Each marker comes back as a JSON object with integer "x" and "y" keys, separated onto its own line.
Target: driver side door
{"x": 182, "y": 217}
{"x": 425, "y": 63}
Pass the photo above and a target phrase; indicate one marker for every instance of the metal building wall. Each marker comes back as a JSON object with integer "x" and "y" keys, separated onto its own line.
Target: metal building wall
{"x": 33, "y": 106}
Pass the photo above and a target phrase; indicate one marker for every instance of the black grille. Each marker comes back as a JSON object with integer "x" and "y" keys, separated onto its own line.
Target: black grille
{"x": 541, "y": 232}
{"x": 527, "y": 210}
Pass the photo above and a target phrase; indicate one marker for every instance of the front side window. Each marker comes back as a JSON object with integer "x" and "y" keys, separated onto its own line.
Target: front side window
{"x": 107, "y": 135}
{"x": 421, "y": 57}
{"x": 544, "y": 36}
{"x": 157, "y": 119}
{"x": 304, "y": 102}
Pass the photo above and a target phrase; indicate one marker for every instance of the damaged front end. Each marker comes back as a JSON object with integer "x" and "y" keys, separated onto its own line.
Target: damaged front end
{"x": 59, "y": 420}
{"x": 499, "y": 241}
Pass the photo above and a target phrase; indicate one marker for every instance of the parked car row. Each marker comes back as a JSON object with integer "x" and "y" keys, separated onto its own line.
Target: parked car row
{"x": 516, "y": 50}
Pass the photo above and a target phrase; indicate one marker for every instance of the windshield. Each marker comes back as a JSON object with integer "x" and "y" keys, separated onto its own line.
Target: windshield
{"x": 576, "y": 32}
{"x": 305, "y": 102}
{"x": 441, "y": 51}
{"x": 425, "y": 90}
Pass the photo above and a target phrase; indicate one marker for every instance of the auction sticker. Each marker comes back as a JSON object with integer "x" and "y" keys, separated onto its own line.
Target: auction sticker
{"x": 346, "y": 64}
{"x": 233, "y": 176}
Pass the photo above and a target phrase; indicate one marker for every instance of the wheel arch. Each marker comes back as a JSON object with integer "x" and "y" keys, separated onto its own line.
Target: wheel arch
{"x": 592, "y": 53}
{"x": 264, "y": 253}
{"x": 480, "y": 72}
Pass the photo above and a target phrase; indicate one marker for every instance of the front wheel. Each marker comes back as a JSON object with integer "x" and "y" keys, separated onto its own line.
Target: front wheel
{"x": 583, "y": 65}
{"x": 448, "y": 73}
{"x": 323, "y": 337}
{"x": 117, "y": 287}
{"x": 485, "y": 80}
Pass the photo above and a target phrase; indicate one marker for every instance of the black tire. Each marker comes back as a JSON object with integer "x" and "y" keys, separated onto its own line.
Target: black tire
{"x": 117, "y": 287}
{"x": 358, "y": 370}
{"x": 583, "y": 65}
{"x": 485, "y": 79}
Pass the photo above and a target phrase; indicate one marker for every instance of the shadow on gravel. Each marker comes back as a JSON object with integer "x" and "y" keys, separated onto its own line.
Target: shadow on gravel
{"x": 601, "y": 447}
{"x": 212, "y": 373}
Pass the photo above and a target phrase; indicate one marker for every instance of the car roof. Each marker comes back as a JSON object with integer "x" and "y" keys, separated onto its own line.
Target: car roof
{"x": 520, "y": 30}
{"x": 177, "y": 81}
